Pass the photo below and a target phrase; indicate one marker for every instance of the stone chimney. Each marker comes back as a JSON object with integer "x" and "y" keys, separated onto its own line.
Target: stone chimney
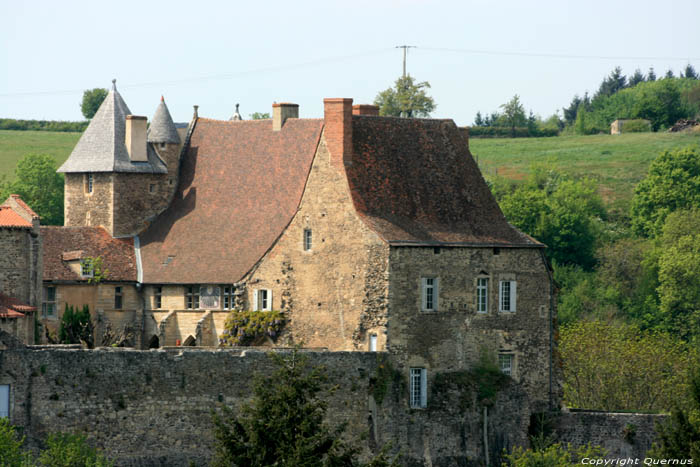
{"x": 338, "y": 130}
{"x": 365, "y": 109}
{"x": 281, "y": 112}
{"x": 135, "y": 138}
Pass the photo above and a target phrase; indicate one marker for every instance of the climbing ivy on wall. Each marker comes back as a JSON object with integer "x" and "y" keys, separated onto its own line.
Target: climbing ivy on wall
{"x": 248, "y": 327}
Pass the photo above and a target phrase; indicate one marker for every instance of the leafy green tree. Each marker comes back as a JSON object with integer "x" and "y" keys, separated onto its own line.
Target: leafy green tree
{"x": 580, "y": 125}
{"x": 660, "y": 103}
{"x": 672, "y": 183}
{"x": 514, "y": 114}
{"x": 76, "y": 327}
{"x": 618, "y": 367}
{"x": 92, "y": 100}
{"x": 259, "y": 116}
{"x": 283, "y": 424}
{"x": 11, "y": 453}
{"x": 39, "y": 186}
{"x": 555, "y": 455}
{"x": 71, "y": 450}
{"x": 406, "y": 99}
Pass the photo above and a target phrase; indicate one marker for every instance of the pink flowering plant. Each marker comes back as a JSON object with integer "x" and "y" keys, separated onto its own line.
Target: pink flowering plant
{"x": 250, "y": 327}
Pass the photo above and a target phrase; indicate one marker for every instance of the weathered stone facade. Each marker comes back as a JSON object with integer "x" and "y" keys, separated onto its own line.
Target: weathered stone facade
{"x": 84, "y": 208}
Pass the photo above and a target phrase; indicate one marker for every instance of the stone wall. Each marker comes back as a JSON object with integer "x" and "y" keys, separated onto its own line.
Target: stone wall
{"x": 154, "y": 407}
{"x": 15, "y": 264}
{"x": 335, "y": 292}
{"x": 138, "y": 199}
{"x": 456, "y": 336}
{"x": 89, "y": 209}
{"x": 623, "y": 435}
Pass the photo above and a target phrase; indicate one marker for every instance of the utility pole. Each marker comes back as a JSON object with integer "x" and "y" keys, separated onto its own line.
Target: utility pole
{"x": 405, "y": 48}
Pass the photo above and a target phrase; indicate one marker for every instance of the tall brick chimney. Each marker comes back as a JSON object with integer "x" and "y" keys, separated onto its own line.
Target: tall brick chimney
{"x": 135, "y": 138}
{"x": 338, "y": 130}
{"x": 281, "y": 112}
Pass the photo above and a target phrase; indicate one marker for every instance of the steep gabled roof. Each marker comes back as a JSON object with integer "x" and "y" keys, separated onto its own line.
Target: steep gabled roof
{"x": 413, "y": 181}
{"x": 64, "y": 244}
{"x": 11, "y": 219}
{"x": 240, "y": 185}
{"x": 101, "y": 147}
{"x": 162, "y": 128}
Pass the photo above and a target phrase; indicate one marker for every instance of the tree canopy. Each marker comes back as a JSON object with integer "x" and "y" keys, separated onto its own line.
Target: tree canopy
{"x": 39, "y": 186}
{"x": 92, "y": 100}
{"x": 406, "y": 99}
{"x": 514, "y": 114}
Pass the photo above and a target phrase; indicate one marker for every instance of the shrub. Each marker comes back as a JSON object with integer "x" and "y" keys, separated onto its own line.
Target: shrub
{"x": 636, "y": 125}
{"x": 71, "y": 450}
{"x": 506, "y": 132}
{"x": 247, "y": 327}
{"x": 555, "y": 455}
{"x": 11, "y": 453}
{"x": 76, "y": 326}
{"x": 42, "y": 125}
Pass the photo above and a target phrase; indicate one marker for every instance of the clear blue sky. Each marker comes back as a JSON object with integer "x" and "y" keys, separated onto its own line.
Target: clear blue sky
{"x": 216, "y": 54}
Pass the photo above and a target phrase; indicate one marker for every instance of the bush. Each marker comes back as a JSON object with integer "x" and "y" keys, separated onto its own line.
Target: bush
{"x": 636, "y": 125}
{"x": 247, "y": 327}
{"x": 555, "y": 455}
{"x": 76, "y": 327}
{"x": 70, "y": 450}
{"x": 11, "y": 453}
{"x": 506, "y": 132}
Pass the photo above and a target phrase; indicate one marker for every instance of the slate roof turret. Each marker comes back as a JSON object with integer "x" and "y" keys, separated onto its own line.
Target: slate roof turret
{"x": 162, "y": 128}
{"x": 102, "y": 148}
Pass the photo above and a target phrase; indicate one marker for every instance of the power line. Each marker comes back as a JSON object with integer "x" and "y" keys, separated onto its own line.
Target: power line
{"x": 551, "y": 55}
{"x": 405, "y": 49}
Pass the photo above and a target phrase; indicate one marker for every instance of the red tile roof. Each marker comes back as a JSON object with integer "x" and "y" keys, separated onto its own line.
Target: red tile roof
{"x": 10, "y": 218}
{"x": 24, "y": 206}
{"x": 10, "y": 307}
{"x": 241, "y": 183}
{"x": 414, "y": 181}
{"x": 117, "y": 254}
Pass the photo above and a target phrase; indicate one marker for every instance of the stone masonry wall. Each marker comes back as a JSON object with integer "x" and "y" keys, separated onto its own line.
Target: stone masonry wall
{"x": 154, "y": 407}
{"x": 135, "y": 203}
{"x": 89, "y": 209}
{"x": 335, "y": 292}
{"x": 456, "y": 336}
{"x": 15, "y": 267}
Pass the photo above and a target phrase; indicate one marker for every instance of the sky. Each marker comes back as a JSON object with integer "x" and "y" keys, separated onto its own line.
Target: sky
{"x": 475, "y": 54}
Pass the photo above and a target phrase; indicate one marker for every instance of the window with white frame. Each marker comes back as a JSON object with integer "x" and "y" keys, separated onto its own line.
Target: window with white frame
{"x": 372, "y": 342}
{"x": 87, "y": 269}
{"x": 482, "y": 295}
{"x": 262, "y": 300}
{"x": 505, "y": 363}
{"x": 48, "y": 306}
{"x": 4, "y": 400}
{"x": 307, "y": 240}
{"x": 419, "y": 387}
{"x": 227, "y": 297}
{"x": 429, "y": 293}
{"x": 507, "y": 296}
{"x": 192, "y": 297}
{"x": 157, "y": 297}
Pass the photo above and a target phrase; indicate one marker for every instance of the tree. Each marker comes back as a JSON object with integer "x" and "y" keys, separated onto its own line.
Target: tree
{"x": 406, "y": 99}
{"x": 76, "y": 327}
{"x": 92, "y": 100}
{"x": 71, "y": 450}
{"x": 651, "y": 76}
{"x": 571, "y": 111}
{"x": 672, "y": 183}
{"x": 37, "y": 182}
{"x": 478, "y": 121}
{"x": 259, "y": 116}
{"x": 580, "y": 125}
{"x": 660, "y": 103}
{"x": 669, "y": 74}
{"x": 611, "y": 366}
{"x": 555, "y": 455}
{"x": 11, "y": 453}
{"x": 283, "y": 424}
{"x": 613, "y": 83}
{"x": 636, "y": 78}
{"x": 514, "y": 114}
{"x": 690, "y": 72}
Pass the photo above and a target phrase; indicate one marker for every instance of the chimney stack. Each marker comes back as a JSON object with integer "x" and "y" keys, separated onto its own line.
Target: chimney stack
{"x": 281, "y": 112}
{"x": 338, "y": 130}
{"x": 135, "y": 138}
{"x": 365, "y": 109}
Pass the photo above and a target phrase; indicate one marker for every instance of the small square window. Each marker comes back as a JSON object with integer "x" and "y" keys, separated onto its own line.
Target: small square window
{"x": 117, "y": 298}
{"x": 419, "y": 388}
{"x": 162, "y": 145}
{"x": 307, "y": 239}
{"x": 152, "y": 188}
{"x": 192, "y": 297}
{"x": 86, "y": 269}
{"x": 505, "y": 363}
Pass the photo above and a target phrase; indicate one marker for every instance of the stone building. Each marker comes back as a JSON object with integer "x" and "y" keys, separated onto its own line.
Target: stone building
{"x": 20, "y": 268}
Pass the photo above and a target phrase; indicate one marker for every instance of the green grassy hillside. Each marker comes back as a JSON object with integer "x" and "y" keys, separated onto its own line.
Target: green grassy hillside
{"x": 16, "y": 144}
{"x": 617, "y": 162}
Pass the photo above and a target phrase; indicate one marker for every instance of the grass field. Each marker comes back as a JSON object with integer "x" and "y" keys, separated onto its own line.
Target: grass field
{"x": 616, "y": 162}
{"x": 16, "y": 144}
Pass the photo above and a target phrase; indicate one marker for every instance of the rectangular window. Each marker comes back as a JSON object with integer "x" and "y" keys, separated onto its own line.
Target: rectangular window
{"x": 86, "y": 269}
{"x": 152, "y": 188}
{"x": 192, "y": 297}
{"x": 419, "y": 388}
{"x": 88, "y": 183}
{"x": 505, "y": 363}
{"x": 157, "y": 297}
{"x": 372, "y": 342}
{"x": 262, "y": 300}
{"x": 307, "y": 239}
{"x": 507, "y": 296}
{"x": 228, "y": 297}
{"x": 48, "y": 307}
{"x": 482, "y": 295}
{"x": 4, "y": 400}
{"x": 429, "y": 294}
{"x": 117, "y": 298}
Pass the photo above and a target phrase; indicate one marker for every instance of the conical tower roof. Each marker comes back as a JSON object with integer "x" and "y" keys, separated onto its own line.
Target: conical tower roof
{"x": 162, "y": 128}
{"x": 102, "y": 148}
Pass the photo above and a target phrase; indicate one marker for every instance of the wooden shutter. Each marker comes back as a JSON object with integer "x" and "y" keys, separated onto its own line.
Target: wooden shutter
{"x": 255, "y": 299}
{"x": 423, "y": 387}
{"x": 512, "y": 296}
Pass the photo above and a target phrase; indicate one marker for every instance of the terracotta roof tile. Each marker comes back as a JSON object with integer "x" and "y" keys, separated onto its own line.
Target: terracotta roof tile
{"x": 117, "y": 254}
{"x": 24, "y": 206}
{"x": 414, "y": 181}
{"x": 10, "y": 307}
{"x": 240, "y": 185}
{"x": 10, "y": 218}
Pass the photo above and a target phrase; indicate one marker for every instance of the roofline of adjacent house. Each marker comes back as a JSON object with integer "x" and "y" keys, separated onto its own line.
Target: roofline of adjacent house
{"x": 85, "y": 282}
